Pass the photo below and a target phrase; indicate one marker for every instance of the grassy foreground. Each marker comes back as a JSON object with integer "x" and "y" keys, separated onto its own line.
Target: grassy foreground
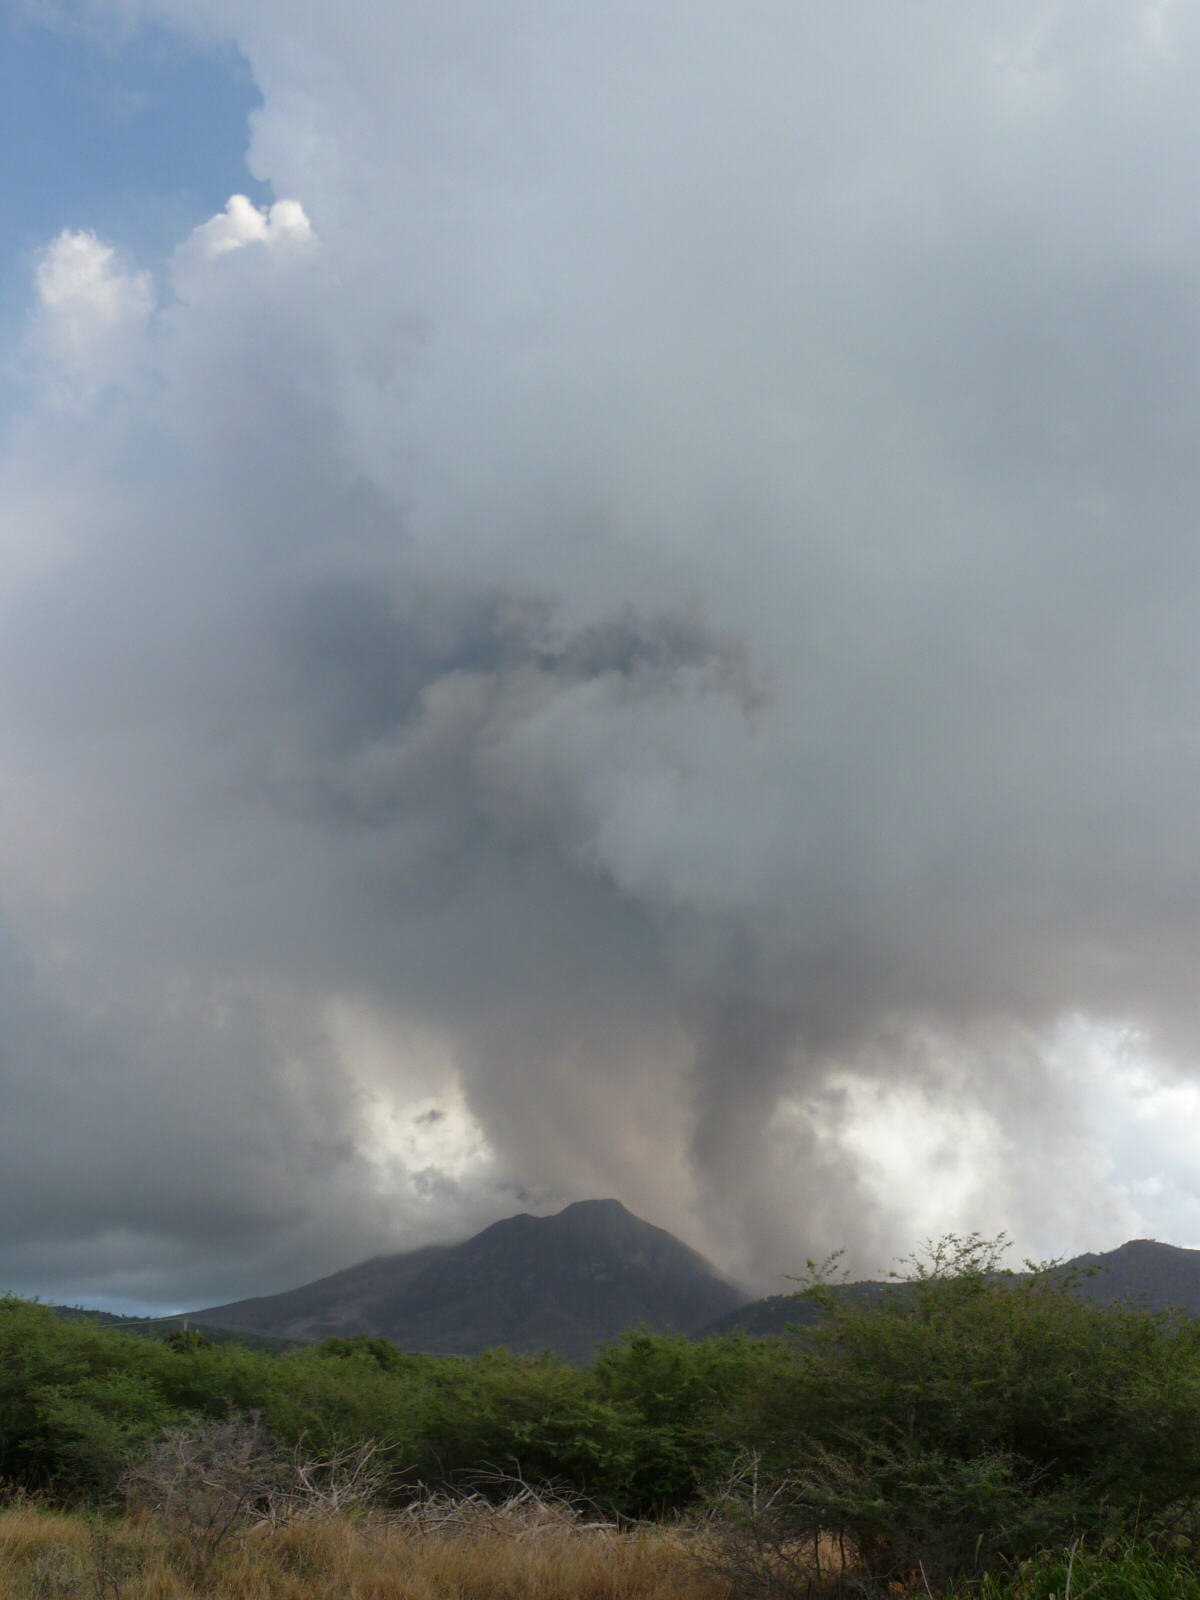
{"x": 48, "y": 1556}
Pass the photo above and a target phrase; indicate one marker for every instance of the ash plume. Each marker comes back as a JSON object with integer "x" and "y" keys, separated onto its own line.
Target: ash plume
{"x": 633, "y": 634}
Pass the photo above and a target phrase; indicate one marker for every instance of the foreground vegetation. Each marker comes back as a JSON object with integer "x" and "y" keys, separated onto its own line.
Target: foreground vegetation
{"x": 47, "y": 1555}
{"x": 63, "y": 1558}
{"x": 973, "y": 1431}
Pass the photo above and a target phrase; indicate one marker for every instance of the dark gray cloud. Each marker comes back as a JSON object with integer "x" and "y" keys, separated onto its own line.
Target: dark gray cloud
{"x": 651, "y": 653}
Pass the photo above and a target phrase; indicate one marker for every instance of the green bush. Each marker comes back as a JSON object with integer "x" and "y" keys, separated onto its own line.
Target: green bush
{"x": 78, "y": 1400}
{"x": 74, "y": 1401}
{"x": 973, "y": 1415}
{"x": 1135, "y": 1572}
{"x": 679, "y": 1396}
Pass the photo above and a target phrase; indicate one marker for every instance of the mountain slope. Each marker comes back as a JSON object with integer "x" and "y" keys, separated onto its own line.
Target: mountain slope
{"x": 1143, "y": 1272}
{"x": 565, "y": 1283}
{"x": 1159, "y": 1276}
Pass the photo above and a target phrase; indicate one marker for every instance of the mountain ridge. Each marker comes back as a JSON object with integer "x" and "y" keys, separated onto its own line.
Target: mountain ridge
{"x": 566, "y": 1282}
{"x": 1141, "y": 1272}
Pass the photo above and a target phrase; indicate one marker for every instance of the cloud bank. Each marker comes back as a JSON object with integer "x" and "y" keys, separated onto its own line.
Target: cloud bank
{"x": 634, "y": 634}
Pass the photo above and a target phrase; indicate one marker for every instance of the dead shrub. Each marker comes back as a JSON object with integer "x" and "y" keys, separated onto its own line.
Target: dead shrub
{"x": 217, "y": 1482}
{"x": 520, "y": 1512}
{"x": 755, "y": 1537}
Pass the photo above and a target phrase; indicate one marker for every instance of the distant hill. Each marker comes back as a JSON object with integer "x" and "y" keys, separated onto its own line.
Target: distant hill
{"x": 564, "y": 1283}
{"x": 1142, "y": 1272}
{"x": 780, "y": 1313}
{"x": 1159, "y": 1276}
{"x": 157, "y": 1327}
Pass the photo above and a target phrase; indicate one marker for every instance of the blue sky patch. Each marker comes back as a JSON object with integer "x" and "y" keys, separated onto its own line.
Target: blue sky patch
{"x": 138, "y": 138}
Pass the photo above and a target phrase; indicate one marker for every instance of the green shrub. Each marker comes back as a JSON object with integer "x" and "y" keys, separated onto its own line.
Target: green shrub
{"x": 679, "y": 1396}
{"x": 1135, "y": 1572}
{"x": 972, "y": 1415}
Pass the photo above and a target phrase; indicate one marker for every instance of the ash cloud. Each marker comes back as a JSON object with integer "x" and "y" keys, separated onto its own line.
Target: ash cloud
{"x": 633, "y": 634}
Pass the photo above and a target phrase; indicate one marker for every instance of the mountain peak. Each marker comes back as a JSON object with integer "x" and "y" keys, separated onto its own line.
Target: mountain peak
{"x": 596, "y": 1208}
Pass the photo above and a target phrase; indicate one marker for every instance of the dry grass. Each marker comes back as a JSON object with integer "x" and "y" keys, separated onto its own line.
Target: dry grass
{"x": 25, "y": 1533}
{"x": 50, "y": 1557}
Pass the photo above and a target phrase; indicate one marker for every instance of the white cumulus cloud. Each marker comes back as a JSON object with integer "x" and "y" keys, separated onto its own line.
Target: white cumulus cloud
{"x": 92, "y": 314}
{"x": 280, "y": 225}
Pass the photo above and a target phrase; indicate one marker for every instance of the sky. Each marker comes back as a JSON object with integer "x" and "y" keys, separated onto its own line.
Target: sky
{"x": 595, "y": 600}
{"x": 130, "y": 132}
